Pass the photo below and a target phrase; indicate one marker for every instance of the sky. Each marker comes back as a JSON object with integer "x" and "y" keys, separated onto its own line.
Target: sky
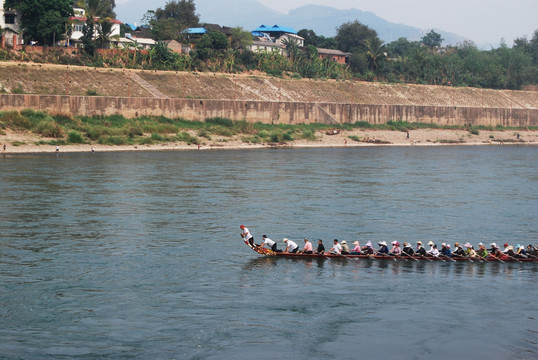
{"x": 484, "y": 21}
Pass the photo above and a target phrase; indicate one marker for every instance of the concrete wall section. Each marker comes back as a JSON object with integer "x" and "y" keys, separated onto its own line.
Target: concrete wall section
{"x": 270, "y": 112}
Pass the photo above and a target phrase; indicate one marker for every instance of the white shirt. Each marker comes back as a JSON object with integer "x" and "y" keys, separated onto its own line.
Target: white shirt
{"x": 433, "y": 252}
{"x": 269, "y": 242}
{"x": 337, "y": 248}
{"x": 292, "y": 245}
{"x": 247, "y": 234}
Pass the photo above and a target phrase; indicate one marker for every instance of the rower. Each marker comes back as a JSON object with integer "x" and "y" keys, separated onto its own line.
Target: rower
{"x": 291, "y": 247}
{"x": 395, "y": 251}
{"x": 493, "y": 249}
{"x": 458, "y": 250}
{"x": 307, "y": 247}
{"x": 408, "y": 249}
{"x": 321, "y": 248}
{"x": 367, "y": 249}
{"x": 420, "y": 249}
{"x": 470, "y": 250}
{"x": 383, "y": 250}
{"x": 270, "y": 243}
{"x": 433, "y": 251}
{"x": 345, "y": 248}
{"x": 445, "y": 251}
{"x": 482, "y": 252}
{"x": 357, "y": 249}
{"x": 337, "y": 248}
{"x": 521, "y": 253}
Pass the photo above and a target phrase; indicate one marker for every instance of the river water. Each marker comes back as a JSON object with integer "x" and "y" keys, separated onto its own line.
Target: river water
{"x": 138, "y": 255}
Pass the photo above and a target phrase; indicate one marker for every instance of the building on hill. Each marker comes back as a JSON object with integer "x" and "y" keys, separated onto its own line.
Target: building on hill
{"x": 274, "y": 39}
{"x": 10, "y": 23}
{"x": 334, "y": 55}
{"x": 77, "y": 27}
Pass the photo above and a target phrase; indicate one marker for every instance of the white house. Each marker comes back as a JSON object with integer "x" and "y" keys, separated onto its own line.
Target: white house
{"x": 79, "y": 20}
{"x": 273, "y": 38}
{"x": 10, "y": 23}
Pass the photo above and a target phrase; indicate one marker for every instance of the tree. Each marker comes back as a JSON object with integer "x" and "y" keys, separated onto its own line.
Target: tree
{"x": 352, "y": 36}
{"x": 292, "y": 48}
{"x": 97, "y": 12}
{"x": 40, "y": 20}
{"x": 374, "y": 52}
{"x": 241, "y": 39}
{"x": 168, "y": 22}
{"x": 432, "y": 40}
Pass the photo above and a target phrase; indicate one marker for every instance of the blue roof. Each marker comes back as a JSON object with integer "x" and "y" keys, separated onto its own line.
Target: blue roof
{"x": 194, "y": 31}
{"x": 275, "y": 28}
{"x": 133, "y": 27}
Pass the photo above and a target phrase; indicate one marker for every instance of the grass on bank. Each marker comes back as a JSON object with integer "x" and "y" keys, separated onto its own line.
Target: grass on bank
{"x": 118, "y": 130}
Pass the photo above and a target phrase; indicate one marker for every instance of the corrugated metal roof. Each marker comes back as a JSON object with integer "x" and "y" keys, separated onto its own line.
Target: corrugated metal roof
{"x": 275, "y": 28}
{"x": 194, "y": 31}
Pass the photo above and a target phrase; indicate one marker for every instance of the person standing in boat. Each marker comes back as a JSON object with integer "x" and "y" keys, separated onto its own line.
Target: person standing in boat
{"x": 357, "y": 249}
{"x": 270, "y": 243}
{"x": 384, "y": 249}
{"x": 420, "y": 249}
{"x": 345, "y": 248}
{"x": 337, "y": 248}
{"x": 307, "y": 249}
{"x": 321, "y": 248}
{"x": 395, "y": 251}
{"x": 247, "y": 235}
{"x": 291, "y": 247}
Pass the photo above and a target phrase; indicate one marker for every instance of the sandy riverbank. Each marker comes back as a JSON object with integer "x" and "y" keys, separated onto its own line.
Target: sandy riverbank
{"x": 20, "y": 143}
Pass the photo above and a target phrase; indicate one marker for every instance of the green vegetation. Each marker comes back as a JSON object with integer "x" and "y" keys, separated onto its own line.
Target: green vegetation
{"x": 117, "y": 130}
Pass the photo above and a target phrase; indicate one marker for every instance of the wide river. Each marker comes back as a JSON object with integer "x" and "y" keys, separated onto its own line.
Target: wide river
{"x": 138, "y": 255}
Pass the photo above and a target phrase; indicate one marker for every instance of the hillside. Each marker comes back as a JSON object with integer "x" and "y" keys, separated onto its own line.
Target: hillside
{"x": 73, "y": 80}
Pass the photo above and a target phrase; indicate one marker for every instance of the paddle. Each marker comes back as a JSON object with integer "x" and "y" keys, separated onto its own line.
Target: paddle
{"x": 513, "y": 258}
{"x": 463, "y": 257}
{"x": 406, "y": 254}
{"x": 495, "y": 257}
{"x": 447, "y": 257}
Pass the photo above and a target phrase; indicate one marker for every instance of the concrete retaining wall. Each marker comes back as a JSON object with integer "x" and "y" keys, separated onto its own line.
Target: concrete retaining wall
{"x": 270, "y": 112}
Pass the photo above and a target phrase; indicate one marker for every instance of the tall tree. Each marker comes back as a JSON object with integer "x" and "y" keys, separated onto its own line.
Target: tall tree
{"x": 167, "y": 23}
{"x": 352, "y": 36}
{"x": 97, "y": 12}
{"x": 432, "y": 40}
{"x": 42, "y": 20}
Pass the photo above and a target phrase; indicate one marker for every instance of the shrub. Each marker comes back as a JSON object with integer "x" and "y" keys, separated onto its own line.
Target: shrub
{"x": 113, "y": 140}
{"x": 354, "y": 138}
{"x": 275, "y": 137}
{"x": 15, "y": 119}
{"x": 474, "y": 131}
{"x": 17, "y": 89}
{"x": 92, "y": 92}
{"x": 74, "y": 137}
{"x": 309, "y": 134}
{"x": 157, "y": 137}
{"x": 220, "y": 121}
{"x": 287, "y": 136}
{"x": 188, "y": 138}
{"x": 49, "y": 128}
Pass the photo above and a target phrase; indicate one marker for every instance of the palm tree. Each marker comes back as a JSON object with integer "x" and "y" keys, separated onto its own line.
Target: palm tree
{"x": 374, "y": 52}
{"x": 95, "y": 10}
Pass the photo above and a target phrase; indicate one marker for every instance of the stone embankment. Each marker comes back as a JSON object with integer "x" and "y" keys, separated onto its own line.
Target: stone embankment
{"x": 98, "y": 91}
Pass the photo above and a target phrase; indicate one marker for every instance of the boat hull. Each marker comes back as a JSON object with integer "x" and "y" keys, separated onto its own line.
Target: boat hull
{"x": 267, "y": 252}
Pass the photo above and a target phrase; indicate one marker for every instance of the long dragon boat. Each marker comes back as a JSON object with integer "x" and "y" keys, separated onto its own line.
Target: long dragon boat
{"x": 403, "y": 257}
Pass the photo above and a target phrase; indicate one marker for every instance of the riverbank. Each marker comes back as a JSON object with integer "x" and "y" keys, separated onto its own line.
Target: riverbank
{"x": 21, "y": 143}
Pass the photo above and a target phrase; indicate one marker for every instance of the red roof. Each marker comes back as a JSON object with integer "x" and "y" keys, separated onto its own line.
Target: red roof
{"x": 84, "y": 18}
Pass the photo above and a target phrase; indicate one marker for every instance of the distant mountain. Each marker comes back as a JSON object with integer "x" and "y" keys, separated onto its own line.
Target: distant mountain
{"x": 250, "y": 14}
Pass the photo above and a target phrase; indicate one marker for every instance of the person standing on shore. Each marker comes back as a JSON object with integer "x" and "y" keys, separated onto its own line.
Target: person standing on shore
{"x": 247, "y": 236}
{"x": 57, "y": 148}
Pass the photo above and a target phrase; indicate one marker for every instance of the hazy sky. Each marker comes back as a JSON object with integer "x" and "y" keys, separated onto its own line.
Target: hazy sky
{"x": 484, "y": 21}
